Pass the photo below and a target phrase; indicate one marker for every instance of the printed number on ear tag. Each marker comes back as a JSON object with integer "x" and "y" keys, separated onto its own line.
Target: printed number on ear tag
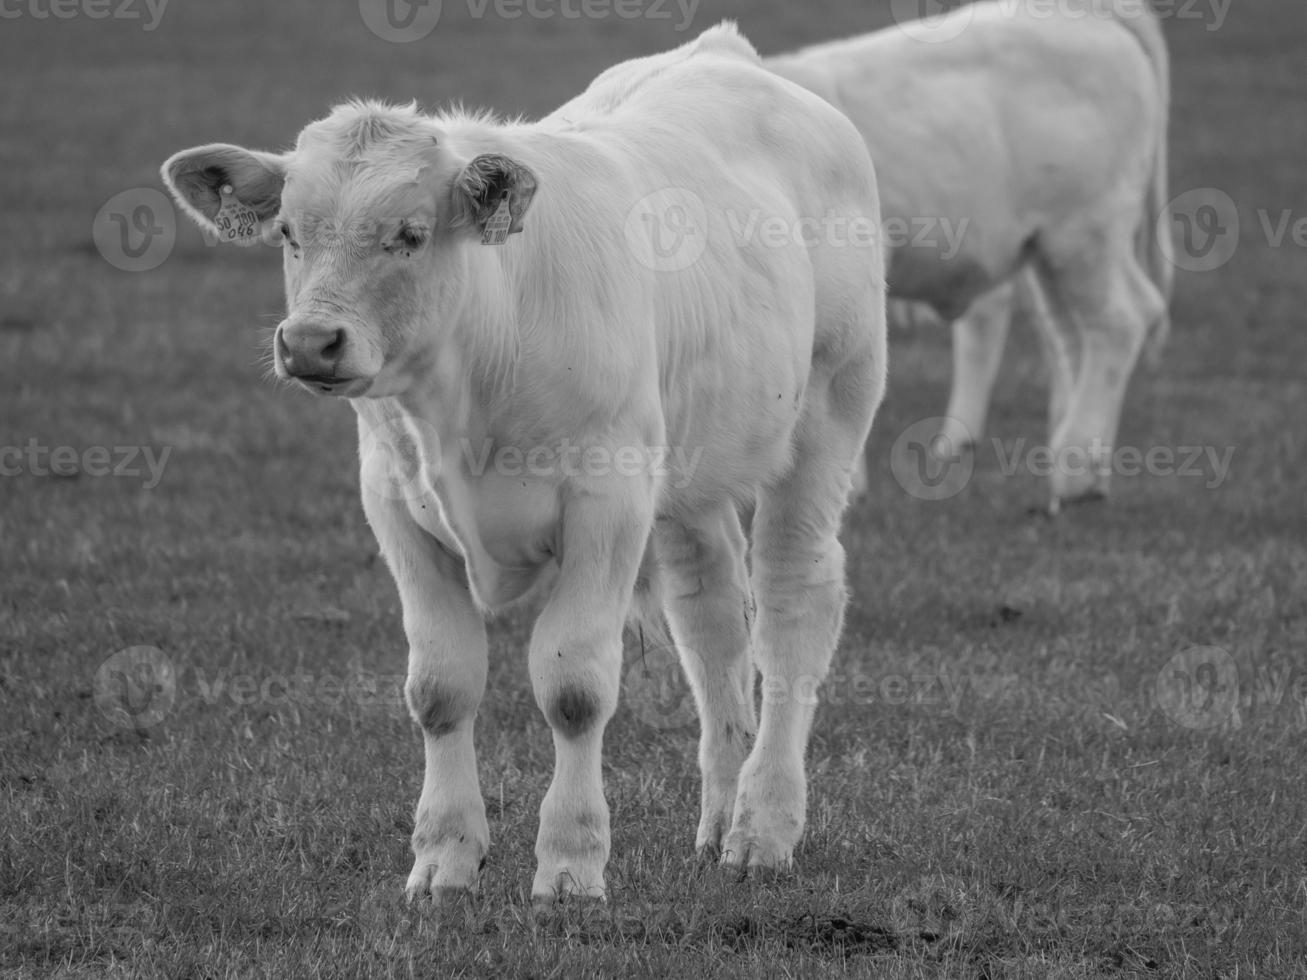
{"x": 236, "y": 222}
{"x": 499, "y": 224}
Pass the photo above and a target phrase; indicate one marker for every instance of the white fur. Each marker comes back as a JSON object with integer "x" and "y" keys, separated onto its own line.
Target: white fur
{"x": 1046, "y": 132}
{"x": 764, "y": 363}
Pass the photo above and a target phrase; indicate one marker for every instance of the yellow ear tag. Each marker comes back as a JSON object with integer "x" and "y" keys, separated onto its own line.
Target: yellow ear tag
{"x": 499, "y": 224}
{"x": 237, "y": 222}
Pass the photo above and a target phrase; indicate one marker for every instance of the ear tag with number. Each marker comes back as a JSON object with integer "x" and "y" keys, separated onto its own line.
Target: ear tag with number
{"x": 499, "y": 224}
{"x": 237, "y": 222}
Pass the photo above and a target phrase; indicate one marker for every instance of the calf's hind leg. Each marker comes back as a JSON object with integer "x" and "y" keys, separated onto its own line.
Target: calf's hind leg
{"x": 798, "y": 583}
{"x": 708, "y": 607}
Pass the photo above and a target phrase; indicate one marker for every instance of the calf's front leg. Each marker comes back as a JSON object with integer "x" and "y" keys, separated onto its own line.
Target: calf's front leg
{"x": 447, "y": 667}
{"x": 576, "y": 660}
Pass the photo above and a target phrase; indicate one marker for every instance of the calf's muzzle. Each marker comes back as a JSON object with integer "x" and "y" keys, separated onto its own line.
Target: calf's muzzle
{"x": 310, "y": 351}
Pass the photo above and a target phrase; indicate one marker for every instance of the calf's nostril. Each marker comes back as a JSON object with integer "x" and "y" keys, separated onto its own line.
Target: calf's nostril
{"x": 336, "y": 347}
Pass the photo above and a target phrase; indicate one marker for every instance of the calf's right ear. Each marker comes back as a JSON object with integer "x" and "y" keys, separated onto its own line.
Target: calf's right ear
{"x": 200, "y": 178}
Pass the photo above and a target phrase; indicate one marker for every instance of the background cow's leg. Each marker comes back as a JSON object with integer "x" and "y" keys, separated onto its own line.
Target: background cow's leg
{"x": 798, "y": 582}
{"x": 446, "y": 680}
{"x": 1058, "y": 354}
{"x": 1112, "y": 304}
{"x": 709, "y": 607}
{"x": 979, "y": 336}
{"x": 576, "y": 664}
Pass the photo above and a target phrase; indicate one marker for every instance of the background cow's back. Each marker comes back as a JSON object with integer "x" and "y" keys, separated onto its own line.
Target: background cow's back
{"x": 1040, "y": 135}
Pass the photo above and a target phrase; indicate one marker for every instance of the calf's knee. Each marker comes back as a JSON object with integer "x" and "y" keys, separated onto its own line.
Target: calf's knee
{"x": 572, "y": 710}
{"x": 439, "y": 706}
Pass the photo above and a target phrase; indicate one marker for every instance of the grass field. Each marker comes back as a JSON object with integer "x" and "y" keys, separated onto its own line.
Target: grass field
{"x": 997, "y": 788}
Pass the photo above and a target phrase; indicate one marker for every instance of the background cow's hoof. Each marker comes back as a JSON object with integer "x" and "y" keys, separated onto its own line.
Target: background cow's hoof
{"x": 954, "y": 440}
{"x": 1080, "y": 474}
{"x": 1089, "y": 495}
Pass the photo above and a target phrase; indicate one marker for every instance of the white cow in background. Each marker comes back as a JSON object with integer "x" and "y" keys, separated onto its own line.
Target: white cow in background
{"x": 586, "y": 344}
{"x": 1043, "y": 128}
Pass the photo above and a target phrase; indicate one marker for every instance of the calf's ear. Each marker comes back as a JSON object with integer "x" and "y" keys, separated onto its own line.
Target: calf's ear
{"x": 205, "y": 178}
{"x": 491, "y": 194}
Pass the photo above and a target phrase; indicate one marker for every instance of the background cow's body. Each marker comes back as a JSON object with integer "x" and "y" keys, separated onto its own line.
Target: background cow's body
{"x": 1041, "y": 135}
{"x": 762, "y": 362}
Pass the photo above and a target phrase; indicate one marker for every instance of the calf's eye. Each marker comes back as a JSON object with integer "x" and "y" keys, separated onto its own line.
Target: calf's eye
{"x": 409, "y": 238}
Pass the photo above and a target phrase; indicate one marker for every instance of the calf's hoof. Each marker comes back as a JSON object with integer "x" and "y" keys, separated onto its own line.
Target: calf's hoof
{"x": 556, "y": 888}
{"x": 446, "y": 877}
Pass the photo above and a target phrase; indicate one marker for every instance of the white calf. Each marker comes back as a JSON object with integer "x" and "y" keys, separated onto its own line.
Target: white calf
{"x": 1040, "y": 136}
{"x": 524, "y": 315}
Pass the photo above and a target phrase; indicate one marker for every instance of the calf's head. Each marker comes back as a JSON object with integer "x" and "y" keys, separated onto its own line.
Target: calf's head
{"x": 376, "y": 212}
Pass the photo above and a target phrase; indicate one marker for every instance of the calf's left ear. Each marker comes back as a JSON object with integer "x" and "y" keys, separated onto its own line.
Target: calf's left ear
{"x": 204, "y": 179}
{"x": 491, "y": 194}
